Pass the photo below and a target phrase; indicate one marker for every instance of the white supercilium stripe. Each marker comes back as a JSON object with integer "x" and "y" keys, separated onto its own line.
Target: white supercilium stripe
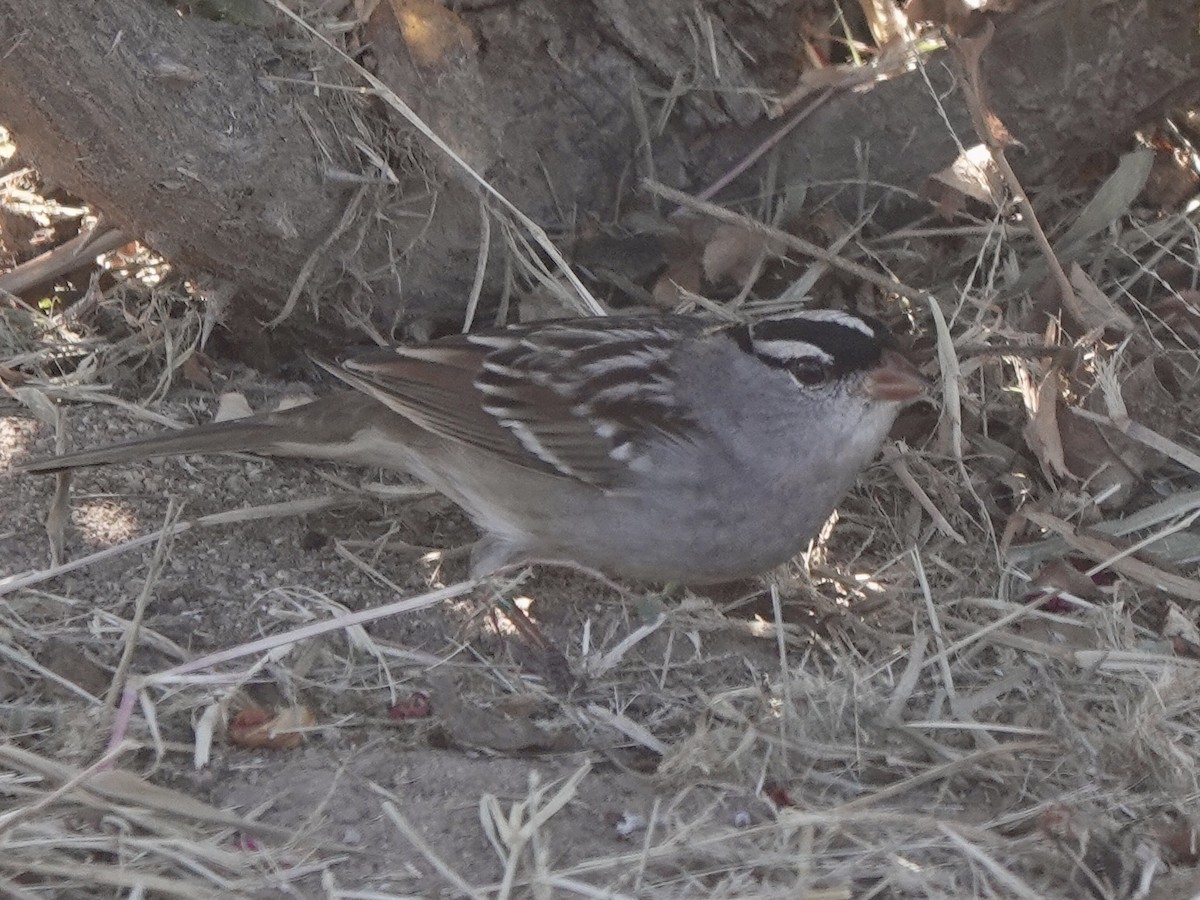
{"x": 785, "y": 351}
{"x": 838, "y": 317}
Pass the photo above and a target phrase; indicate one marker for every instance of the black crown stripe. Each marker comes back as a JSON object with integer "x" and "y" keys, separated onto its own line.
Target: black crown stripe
{"x": 851, "y": 349}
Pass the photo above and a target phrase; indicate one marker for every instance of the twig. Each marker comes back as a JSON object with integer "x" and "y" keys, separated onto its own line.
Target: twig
{"x": 349, "y": 214}
{"x": 989, "y": 129}
{"x": 757, "y": 153}
{"x": 1135, "y": 431}
{"x": 392, "y": 99}
{"x": 883, "y": 282}
{"x": 139, "y": 607}
{"x": 414, "y": 837}
{"x": 174, "y": 674}
{"x": 270, "y": 510}
{"x": 485, "y": 245}
{"x": 74, "y": 254}
{"x": 1114, "y": 557}
{"x": 19, "y": 815}
{"x": 896, "y": 461}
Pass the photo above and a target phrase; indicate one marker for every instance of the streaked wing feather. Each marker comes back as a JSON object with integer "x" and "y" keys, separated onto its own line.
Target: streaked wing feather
{"x": 429, "y": 390}
{"x": 572, "y": 400}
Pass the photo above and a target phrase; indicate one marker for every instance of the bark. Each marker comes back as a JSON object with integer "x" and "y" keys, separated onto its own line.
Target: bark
{"x": 1070, "y": 79}
{"x": 169, "y": 127}
{"x": 173, "y": 129}
{"x": 163, "y": 124}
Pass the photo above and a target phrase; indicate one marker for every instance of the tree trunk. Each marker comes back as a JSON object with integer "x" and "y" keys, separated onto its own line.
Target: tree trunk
{"x": 165, "y": 125}
{"x": 1070, "y": 79}
{"x": 177, "y": 130}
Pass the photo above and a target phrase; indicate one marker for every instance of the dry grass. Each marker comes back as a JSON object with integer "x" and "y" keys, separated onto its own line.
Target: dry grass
{"x": 982, "y": 682}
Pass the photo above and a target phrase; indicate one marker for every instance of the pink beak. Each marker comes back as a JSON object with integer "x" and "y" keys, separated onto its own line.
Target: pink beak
{"x": 895, "y": 380}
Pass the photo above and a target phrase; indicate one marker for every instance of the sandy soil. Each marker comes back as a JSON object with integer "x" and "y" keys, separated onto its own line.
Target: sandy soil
{"x": 498, "y": 727}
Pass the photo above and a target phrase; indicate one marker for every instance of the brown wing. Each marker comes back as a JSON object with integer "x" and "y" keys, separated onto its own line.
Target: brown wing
{"x": 572, "y": 398}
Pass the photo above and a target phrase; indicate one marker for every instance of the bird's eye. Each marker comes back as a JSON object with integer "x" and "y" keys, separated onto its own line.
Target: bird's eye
{"x": 809, "y": 372}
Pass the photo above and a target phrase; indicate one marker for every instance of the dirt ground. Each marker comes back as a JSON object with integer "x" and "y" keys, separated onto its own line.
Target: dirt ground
{"x": 981, "y": 681}
{"x": 224, "y": 585}
{"x": 447, "y": 756}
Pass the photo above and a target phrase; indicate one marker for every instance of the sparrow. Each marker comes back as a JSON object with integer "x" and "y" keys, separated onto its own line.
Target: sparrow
{"x": 666, "y": 448}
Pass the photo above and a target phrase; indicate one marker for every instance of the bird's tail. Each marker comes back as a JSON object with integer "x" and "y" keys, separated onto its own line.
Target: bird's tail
{"x": 321, "y": 429}
{"x": 218, "y": 437}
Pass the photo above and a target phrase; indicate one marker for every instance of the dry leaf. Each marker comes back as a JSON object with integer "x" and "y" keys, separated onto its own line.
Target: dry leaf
{"x": 12, "y": 376}
{"x": 1059, "y": 576}
{"x": 948, "y": 201}
{"x": 1112, "y": 464}
{"x": 232, "y": 405}
{"x": 1181, "y": 840}
{"x": 363, "y": 9}
{"x": 1088, "y": 454}
{"x": 778, "y": 794}
{"x": 1181, "y": 632}
{"x": 291, "y": 401}
{"x": 431, "y": 31}
{"x": 1042, "y": 433}
{"x": 1103, "y": 865}
{"x": 733, "y": 254}
{"x": 257, "y": 729}
{"x": 1098, "y": 311}
{"x": 1172, "y": 181}
{"x": 955, "y": 15}
{"x": 1067, "y": 637}
{"x": 1152, "y": 392}
{"x": 197, "y": 369}
{"x": 415, "y": 706}
{"x": 519, "y": 706}
{"x": 1181, "y": 313}
{"x": 1110, "y": 202}
{"x": 1113, "y": 552}
{"x": 36, "y": 401}
{"x": 683, "y": 274}
{"x": 974, "y": 174}
{"x": 886, "y": 20}
{"x": 466, "y": 724}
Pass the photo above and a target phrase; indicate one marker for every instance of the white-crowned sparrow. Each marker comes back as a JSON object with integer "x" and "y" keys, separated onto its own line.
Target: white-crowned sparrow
{"x": 659, "y": 448}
